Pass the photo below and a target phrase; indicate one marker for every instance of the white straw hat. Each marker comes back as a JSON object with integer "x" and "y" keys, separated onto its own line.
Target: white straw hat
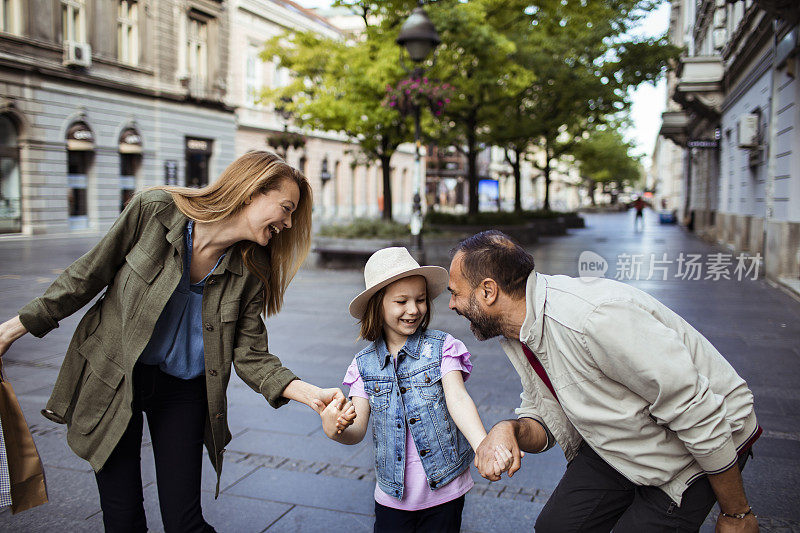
{"x": 390, "y": 264}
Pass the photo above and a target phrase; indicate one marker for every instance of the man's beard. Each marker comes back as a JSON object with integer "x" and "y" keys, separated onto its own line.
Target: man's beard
{"x": 483, "y": 326}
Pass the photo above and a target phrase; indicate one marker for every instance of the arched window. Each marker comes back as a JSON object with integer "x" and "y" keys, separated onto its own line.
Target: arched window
{"x": 130, "y": 161}
{"x": 80, "y": 157}
{"x": 10, "y": 197}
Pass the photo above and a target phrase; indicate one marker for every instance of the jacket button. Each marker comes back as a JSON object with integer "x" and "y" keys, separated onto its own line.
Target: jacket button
{"x": 220, "y": 416}
{"x": 376, "y": 389}
{"x": 427, "y": 379}
{"x": 412, "y": 420}
{"x": 433, "y": 484}
{"x": 423, "y": 453}
{"x": 209, "y": 326}
{"x": 212, "y": 372}
{"x": 403, "y": 390}
{"x": 399, "y": 426}
{"x": 399, "y": 458}
{"x": 212, "y": 281}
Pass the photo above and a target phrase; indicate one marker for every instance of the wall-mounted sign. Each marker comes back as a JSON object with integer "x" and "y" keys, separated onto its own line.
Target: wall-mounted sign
{"x": 80, "y": 137}
{"x": 130, "y": 142}
{"x": 702, "y": 143}
{"x": 198, "y": 145}
{"x": 170, "y": 172}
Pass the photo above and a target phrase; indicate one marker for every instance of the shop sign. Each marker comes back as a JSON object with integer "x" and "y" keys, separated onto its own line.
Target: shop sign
{"x": 80, "y": 137}
{"x": 130, "y": 142}
{"x": 198, "y": 145}
{"x": 171, "y": 172}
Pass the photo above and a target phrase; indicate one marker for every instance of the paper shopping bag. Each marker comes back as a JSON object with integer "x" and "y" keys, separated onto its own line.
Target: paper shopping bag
{"x": 25, "y": 470}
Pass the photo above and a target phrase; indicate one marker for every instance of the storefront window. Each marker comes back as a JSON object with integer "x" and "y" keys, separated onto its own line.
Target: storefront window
{"x": 198, "y": 156}
{"x": 80, "y": 156}
{"x": 10, "y": 201}
{"x": 130, "y": 161}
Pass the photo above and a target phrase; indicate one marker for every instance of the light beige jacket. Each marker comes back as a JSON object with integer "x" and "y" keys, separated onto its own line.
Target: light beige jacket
{"x": 634, "y": 380}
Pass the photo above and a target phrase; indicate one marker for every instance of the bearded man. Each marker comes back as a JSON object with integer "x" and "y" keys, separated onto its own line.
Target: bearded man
{"x": 655, "y": 424}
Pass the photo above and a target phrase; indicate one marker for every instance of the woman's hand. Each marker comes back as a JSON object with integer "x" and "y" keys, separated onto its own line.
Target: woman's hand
{"x": 10, "y": 330}
{"x": 325, "y": 396}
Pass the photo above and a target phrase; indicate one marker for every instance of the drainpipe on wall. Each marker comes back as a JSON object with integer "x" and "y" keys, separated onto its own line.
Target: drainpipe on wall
{"x": 769, "y": 188}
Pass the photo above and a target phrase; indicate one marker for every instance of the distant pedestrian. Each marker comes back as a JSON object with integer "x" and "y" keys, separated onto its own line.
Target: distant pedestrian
{"x": 639, "y": 206}
{"x": 411, "y": 380}
{"x": 187, "y": 274}
{"x": 655, "y": 423}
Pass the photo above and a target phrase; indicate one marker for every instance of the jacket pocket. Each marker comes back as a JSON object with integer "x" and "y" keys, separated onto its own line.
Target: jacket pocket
{"x": 429, "y": 384}
{"x": 229, "y": 311}
{"x": 145, "y": 266}
{"x": 378, "y": 392}
{"x": 99, "y": 387}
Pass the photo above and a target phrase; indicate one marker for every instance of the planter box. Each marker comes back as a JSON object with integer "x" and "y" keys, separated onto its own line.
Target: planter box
{"x": 335, "y": 252}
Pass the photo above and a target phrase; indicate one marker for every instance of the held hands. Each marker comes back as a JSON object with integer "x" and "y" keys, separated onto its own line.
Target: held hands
{"x": 337, "y": 416}
{"x": 499, "y": 452}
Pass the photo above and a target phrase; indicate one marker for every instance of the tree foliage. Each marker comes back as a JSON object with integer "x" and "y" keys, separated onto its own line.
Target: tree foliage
{"x": 605, "y": 158}
{"x": 340, "y": 86}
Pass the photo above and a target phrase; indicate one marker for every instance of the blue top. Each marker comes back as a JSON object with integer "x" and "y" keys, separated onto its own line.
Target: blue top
{"x": 176, "y": 345}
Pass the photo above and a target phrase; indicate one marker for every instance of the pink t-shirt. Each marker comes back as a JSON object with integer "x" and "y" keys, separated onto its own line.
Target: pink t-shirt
{"x": 416, "y": 492}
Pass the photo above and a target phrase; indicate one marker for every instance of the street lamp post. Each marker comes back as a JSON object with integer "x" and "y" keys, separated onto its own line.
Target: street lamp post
{"x": 419, "y": 37}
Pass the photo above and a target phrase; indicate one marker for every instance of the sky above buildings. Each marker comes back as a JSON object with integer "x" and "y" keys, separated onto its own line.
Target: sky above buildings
{"x": 648, "y": 100}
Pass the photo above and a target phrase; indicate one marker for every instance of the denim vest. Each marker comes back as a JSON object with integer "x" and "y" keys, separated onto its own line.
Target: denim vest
{"x": 411, "y": 394}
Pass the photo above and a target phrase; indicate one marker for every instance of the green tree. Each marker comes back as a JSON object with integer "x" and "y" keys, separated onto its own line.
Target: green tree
{"x": 584, "y": 66}
{"x": 605, "y": 158}
{"x": 340, "y": 86}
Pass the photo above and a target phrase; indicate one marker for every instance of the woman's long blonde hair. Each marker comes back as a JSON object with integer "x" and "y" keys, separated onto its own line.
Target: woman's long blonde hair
{"x": 256, "y": 172}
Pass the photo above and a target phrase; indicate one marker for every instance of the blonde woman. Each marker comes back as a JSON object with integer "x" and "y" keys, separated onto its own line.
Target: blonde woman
{"x": 187, "y": 273}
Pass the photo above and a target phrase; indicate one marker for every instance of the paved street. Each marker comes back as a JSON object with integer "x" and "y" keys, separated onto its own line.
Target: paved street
{"x": 283, "y": 474}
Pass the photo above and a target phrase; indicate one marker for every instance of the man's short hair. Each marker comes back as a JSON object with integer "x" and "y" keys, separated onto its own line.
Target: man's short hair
{"x": 493, "y": 254}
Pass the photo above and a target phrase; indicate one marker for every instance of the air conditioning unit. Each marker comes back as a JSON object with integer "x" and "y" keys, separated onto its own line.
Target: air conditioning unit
{"x": 77, "y": 54}
{"x": 747, "y": 130}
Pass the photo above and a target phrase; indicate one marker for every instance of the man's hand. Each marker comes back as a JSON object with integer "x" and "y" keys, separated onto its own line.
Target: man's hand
{"x": 748, "y": 524}
{"x": 502, "y": 436}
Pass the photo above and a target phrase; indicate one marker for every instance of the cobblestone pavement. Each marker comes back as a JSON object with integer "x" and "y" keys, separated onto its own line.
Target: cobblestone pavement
{"x": 283, "y": 474}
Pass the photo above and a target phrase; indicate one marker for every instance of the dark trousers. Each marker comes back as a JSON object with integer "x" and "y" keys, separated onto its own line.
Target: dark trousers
{"x": 592, "y": 496}
{"x": 176, "y": 416}
{"x": 443, "y": 518}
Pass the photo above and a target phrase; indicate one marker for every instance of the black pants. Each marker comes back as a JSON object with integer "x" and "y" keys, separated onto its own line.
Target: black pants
{"x": 592, "y": 496}
{"x": 176, "y": 416}
{"x": 443, "y": 518}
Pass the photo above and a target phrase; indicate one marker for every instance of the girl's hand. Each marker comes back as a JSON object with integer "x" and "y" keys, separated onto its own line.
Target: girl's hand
{"x": 330, "y": 416}
{"x": 346, "y": 418}
{"x": 503, "y": 460}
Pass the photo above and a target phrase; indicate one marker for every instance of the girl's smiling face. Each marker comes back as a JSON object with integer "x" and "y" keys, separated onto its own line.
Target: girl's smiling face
{"x": 405, "y": 305}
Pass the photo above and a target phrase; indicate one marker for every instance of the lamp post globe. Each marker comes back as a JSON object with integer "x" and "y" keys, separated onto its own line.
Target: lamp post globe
{"x": 419, "y": 37}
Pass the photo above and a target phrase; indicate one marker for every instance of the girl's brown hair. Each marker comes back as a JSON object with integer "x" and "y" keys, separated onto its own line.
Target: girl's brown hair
{"x": 256, "y": 172}
{"x": 372, "y": 321}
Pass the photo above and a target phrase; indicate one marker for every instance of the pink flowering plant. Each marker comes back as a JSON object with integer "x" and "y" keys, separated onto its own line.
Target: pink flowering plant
{"x": 422, "y": 92}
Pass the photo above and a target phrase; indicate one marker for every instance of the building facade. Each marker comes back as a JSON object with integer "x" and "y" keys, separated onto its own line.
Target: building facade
{"x": 102, "y": 98}
{"x": 739, "y": 126}
{"x": 344, "y": 187}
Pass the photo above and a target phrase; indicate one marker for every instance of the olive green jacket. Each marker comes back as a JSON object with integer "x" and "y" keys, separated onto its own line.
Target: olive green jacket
{"x": 139, "y": 263}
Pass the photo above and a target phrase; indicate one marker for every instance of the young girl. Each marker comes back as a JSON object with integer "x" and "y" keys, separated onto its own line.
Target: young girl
{"x": 411, "y": 378}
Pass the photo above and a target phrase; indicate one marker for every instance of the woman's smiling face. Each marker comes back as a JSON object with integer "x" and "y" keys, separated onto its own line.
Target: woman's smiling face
{"x": 405, "y": 304}
{"x": 270, "y": 213}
